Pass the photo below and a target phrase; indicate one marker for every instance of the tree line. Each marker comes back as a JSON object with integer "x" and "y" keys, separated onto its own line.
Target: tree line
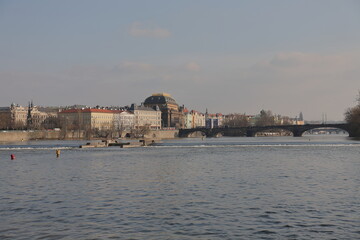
{"x": 352, "y": 117}
{"x": 265, "y": 118}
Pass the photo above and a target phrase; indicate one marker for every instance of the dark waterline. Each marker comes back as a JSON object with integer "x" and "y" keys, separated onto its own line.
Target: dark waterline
{"x": 222, "y": 188}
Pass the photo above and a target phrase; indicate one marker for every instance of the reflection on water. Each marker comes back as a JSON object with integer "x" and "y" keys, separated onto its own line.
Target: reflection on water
{"x": 220, "y": 188}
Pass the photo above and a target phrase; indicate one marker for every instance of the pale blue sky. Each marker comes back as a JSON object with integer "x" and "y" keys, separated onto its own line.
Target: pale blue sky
{"x": 227, "y": 56}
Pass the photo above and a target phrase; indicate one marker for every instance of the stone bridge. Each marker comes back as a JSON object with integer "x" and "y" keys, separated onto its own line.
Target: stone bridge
{"x": 297, "y": 130}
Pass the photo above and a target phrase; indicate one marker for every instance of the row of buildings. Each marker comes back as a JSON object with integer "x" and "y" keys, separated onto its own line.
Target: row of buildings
{"x": 158, "y": 111}
{"x": 19, "y": 117}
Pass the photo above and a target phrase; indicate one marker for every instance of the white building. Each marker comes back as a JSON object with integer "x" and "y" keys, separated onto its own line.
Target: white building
{"x": 146, "y": 116}
{"x": 194, "y": 119}
{"x": 124, "y": 120}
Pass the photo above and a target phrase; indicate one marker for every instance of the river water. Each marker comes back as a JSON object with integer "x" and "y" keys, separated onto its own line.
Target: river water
{"x": 219, "y": 188}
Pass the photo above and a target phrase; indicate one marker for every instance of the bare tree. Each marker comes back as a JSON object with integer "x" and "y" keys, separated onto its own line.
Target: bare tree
{"x": 5, "y": 123}
{"x": 50, "y": 122}
{"x": 286, "y": 121}
{"x": 88, "y": 130}
{"x": 120, "y": 128}
{"x": 266, "y": 118}
{"x": 236, "y": 120}
{"x": 105, "y": 131}
{"x": 352, "y": 117}
{"x": 141, "y": 131}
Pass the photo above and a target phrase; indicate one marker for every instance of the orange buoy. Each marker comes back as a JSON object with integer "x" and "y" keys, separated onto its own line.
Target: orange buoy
{"x": 12, "y": 156}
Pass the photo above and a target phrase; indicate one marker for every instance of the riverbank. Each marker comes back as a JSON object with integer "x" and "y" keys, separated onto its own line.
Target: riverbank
{"x": 18, "y": 136}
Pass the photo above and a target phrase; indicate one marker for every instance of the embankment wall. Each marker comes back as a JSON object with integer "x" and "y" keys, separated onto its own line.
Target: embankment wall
{"x": 163, "y": 134}
{"x": 17, "y": 136}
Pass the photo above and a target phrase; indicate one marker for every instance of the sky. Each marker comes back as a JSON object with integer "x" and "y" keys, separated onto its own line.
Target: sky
{"x": 225, "y": 56}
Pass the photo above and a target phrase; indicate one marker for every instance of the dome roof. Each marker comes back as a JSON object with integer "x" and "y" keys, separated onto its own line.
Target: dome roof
{"x": 160, "y": 99}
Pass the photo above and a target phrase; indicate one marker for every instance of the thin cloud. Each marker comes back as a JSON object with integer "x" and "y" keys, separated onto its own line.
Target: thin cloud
{"x": 313, "y": 61}
{"x": 192, "y": 67}
{"x": 135, "y": 66}
{"x": 305, "y": 66}
{"x": 138, "y": 29}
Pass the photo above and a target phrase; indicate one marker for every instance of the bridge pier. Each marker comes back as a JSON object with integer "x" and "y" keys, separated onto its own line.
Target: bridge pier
{"x": 250, "y": 133}
{"x": 297, "y": 134}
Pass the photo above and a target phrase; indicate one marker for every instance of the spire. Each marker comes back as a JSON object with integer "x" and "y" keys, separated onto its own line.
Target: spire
{"x": 29, "y": 120}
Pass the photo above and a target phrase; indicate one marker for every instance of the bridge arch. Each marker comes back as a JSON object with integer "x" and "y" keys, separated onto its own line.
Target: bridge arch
{"x": 196, "y": 134}
{"x": 330, "y": 130}
{"x": 300, "y": 130}
{"x": 187, "y": 132}
{"x": 216, "y": 132}
{"x": 256, "y": 130}
{"x": 273, "y": 131}
{"x": 297, "y": 130}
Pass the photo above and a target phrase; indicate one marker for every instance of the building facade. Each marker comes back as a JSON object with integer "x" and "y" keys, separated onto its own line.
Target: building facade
{"x": 146, "y": 116}
{"x": 193, "y": 119}
{"x": 31, "y": 117}
{"x": 124, "y": 120}
{"x": 213, "y": 120}
{"x": 171, "y": 114}
{"x": 86, "y": 119}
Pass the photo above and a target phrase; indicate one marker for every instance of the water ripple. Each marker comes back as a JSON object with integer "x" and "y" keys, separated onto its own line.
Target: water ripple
{"x": 216, "y": 191}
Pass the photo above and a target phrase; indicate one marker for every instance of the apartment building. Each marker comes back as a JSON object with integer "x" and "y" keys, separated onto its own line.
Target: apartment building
{"x": 146, "y": 116}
